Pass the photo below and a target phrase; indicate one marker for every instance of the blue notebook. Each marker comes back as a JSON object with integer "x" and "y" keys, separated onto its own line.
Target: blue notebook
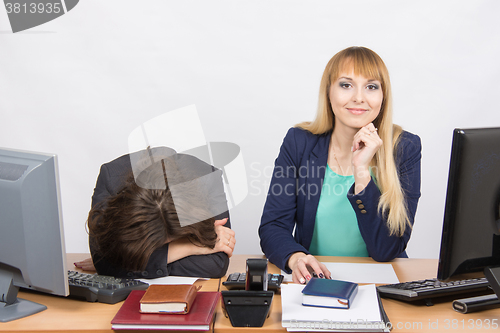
{"x": 329, "y": 293}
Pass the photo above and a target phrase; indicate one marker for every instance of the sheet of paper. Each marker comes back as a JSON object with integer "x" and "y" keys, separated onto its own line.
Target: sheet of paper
{"x": 364, "y": 308}
{"x": 358, "y": 273}
{"x": 171, "y": 280}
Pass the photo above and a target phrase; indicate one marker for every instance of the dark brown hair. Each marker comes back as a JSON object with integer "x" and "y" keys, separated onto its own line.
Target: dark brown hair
{"x": 129, "y": 226}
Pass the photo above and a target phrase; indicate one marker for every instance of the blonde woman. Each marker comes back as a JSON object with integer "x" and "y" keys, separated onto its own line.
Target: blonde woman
{"x": 347, "y": 183}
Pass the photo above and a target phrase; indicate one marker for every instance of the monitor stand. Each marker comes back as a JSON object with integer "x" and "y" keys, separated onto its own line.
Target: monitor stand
{"x": 493, "y": 276}
{"x": 11, "y": 307}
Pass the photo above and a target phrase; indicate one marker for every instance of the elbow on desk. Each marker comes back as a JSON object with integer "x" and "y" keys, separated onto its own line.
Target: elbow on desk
{"x": 218, "y": 267}
{"x": 379, "y": 258}
{"x": 388, "y": 256}
{"x": 212, "y": 266}
{"x": 221, "y": 269}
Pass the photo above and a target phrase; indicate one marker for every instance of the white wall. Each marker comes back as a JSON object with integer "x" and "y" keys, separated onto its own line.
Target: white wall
{"x": 78, "y": 85}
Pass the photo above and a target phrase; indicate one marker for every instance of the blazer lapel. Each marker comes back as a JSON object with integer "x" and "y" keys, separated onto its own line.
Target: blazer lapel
{"x": 314, "y": 182}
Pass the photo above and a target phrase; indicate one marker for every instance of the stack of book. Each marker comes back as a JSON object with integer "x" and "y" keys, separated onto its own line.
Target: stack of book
{"x": 167, "y": 307}
{"x": 329, "y": 293}
{"x": 332, "y": 306}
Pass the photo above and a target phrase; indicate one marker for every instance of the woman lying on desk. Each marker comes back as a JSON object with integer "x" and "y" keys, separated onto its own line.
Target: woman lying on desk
{"x": 347, "y": 182}
{"x": 135, "y": 227}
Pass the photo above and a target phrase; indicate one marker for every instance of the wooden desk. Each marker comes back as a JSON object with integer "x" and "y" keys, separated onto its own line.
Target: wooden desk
{"x": 79, "y": 316}
{"x": 404, "y": 317}
{"x": 65, "y": 314}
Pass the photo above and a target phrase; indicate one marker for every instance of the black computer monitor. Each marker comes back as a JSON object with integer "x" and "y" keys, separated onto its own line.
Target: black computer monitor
{"x": 471, "y": 228}
{"x": 32, "y": 251}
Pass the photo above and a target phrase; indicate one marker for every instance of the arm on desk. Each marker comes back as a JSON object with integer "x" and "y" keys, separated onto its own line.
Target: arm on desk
{"x": 86, "y": 265}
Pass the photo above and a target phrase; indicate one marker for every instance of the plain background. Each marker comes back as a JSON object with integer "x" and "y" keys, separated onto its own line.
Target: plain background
{"x": 77, "y": 86}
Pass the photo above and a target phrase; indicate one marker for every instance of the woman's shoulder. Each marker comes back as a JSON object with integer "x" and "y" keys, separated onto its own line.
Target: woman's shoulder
{"x": 407, "y": 139}
{"x": 304, "y": 136}
{"x": 409, "y": 147}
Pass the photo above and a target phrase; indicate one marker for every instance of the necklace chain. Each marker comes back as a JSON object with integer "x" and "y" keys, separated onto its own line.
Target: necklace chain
{"x": 336, "y": 160}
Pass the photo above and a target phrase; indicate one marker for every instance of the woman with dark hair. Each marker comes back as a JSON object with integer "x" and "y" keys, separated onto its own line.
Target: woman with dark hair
{"x": 348, "y": 182}
{"x": 138, "y": 227}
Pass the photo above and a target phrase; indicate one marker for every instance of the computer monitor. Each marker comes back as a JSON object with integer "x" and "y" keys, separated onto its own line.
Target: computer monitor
{"x": 471, "y": 228}
{"x": 32, "y": 251}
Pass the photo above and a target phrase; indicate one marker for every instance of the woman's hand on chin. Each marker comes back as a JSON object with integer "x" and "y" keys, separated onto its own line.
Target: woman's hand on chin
{"x": 365, "y": 145}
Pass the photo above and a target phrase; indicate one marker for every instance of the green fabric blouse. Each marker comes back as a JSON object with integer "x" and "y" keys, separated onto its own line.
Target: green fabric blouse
{"x": 336, "y": 231}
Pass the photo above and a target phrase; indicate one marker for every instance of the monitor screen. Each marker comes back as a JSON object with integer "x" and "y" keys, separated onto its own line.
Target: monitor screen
{"x": 32, "y": 251}
{"x": 471, "y": 228}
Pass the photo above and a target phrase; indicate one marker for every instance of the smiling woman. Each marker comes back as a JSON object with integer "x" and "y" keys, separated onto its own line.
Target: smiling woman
{"x": 356, "y": 100}
{"x": 367, "y": 168}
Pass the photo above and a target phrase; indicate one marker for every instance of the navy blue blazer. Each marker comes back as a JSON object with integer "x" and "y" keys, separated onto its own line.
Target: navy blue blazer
{"x": 295, "y": 189}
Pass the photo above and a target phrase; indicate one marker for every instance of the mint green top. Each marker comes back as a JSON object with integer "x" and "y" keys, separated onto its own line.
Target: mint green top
{"x": 336, "y": 231}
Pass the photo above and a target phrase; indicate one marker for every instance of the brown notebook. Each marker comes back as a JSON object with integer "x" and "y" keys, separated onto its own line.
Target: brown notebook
{"x": 172, "y": 298}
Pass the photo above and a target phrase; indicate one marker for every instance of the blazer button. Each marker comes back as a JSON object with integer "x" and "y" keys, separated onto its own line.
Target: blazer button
{"x": 363, "y": 211}
{"x": 159, "y": 272}
{"x": 359, "y": 201}
{"x": 144, "y": 273}
{"x": 361, "y": 206}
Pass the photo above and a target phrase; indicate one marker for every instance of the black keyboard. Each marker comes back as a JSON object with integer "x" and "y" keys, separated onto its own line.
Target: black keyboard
{"x": 101, "y": 288}
{"x": 432, "y": 288}
{"x": 237, "y": 281}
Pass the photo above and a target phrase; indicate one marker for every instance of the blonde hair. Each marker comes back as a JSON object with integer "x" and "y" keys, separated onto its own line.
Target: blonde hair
{"x": 367, "y": 63}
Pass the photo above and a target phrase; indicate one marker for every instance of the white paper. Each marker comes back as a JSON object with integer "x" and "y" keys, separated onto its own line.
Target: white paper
{"x": 171, "y": 280}
{"x": 358, "y": 273}
{"x": 364, "y": 312}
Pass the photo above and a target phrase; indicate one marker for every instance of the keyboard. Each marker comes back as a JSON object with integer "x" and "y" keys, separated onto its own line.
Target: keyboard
{"x": 101, "y": 288}
{"x": 237, "y": 281}
{"x": 431, "y": 288}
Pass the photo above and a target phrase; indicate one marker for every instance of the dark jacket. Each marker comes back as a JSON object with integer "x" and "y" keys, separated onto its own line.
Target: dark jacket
{"x": 295, "y": 190}
{"x": 110, "y": 181}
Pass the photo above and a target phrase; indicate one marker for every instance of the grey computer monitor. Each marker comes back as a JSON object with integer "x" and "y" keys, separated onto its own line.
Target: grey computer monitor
{"x": 32, "y": 250}
{"x": 471, "y": 228}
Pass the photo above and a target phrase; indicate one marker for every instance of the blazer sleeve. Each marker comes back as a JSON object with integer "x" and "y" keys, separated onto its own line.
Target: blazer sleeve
{"x": 278, "y": 217}
{"x": 372, "y": 224}
{"x": 110, "y": 180}
{"x": 101, "y": 190}
{"x": 208, "y": 266}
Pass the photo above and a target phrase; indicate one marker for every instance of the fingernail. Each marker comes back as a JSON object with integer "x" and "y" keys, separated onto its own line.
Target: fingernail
{"x": 321, "y": 275}
{"x": 308, "y": 277}
{"x": 302, "y": 281}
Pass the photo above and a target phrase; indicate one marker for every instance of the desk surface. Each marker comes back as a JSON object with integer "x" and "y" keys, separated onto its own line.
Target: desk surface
{"x": 65, "y": 314}
{"x": 404, "y": 317}
{"x": 74, "y": 315}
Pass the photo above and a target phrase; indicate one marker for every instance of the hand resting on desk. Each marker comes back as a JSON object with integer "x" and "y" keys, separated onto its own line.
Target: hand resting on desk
{"x": 302, "y": 266}
{"x": 86, "y": 265}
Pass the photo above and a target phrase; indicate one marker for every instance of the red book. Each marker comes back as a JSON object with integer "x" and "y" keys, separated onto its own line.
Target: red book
{"x": 199, "y": 318}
